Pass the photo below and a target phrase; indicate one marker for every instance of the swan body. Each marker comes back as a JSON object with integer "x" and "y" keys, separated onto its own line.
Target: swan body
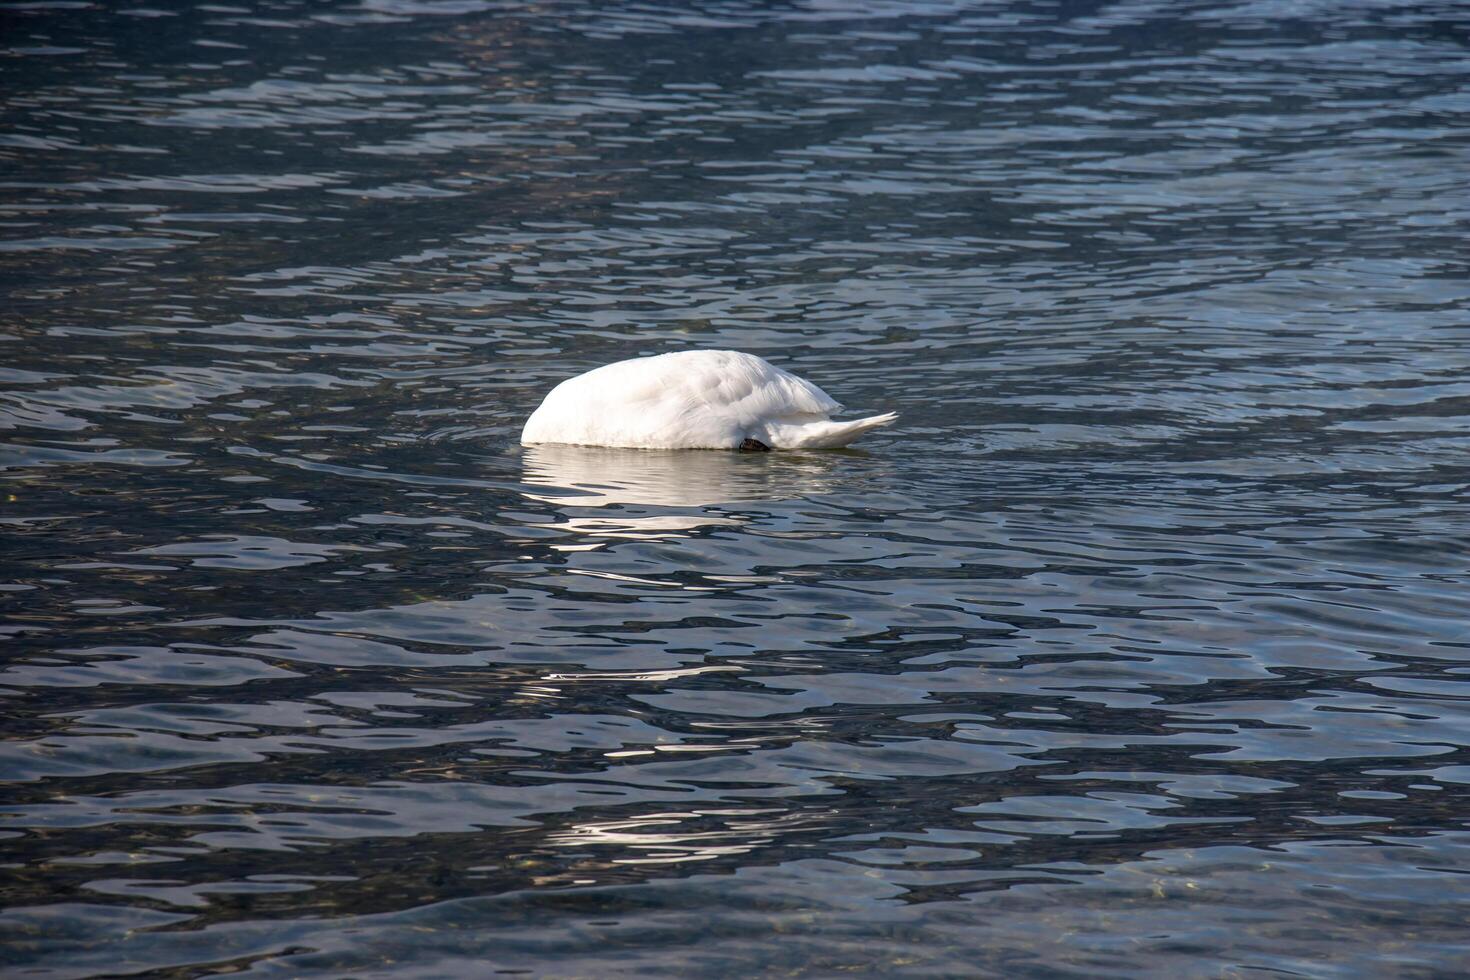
{"x": 698, "y": 399}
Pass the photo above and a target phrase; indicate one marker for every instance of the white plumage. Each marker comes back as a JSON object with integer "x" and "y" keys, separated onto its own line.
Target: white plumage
{"x": 698, "y": 399}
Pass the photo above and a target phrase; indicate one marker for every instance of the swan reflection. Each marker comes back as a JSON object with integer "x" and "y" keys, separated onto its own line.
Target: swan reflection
{"x": 641, "y": 485}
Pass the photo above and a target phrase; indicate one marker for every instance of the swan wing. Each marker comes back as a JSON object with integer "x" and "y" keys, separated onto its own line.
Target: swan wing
{"x": 745, "y": 385}
{"x": 686, "y": 399}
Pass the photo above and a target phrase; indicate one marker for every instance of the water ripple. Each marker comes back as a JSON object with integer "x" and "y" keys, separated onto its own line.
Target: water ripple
{"x": 1136, "y": 648}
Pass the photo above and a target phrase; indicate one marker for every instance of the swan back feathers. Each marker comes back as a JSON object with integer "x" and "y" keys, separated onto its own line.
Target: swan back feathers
{"x": 705, "y": 399}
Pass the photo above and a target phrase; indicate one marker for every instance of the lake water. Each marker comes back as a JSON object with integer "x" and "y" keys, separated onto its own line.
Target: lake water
{"x": 1139, "y": 647}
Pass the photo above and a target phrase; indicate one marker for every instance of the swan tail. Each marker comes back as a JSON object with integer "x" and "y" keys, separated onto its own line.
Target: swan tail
{"x": 826, "y": 434}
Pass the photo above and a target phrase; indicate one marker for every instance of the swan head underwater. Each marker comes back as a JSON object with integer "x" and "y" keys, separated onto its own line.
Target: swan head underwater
{"x": 698, "y": 399}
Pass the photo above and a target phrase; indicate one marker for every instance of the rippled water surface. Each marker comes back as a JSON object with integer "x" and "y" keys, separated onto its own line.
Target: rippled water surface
{"x": 1138, "y": 647}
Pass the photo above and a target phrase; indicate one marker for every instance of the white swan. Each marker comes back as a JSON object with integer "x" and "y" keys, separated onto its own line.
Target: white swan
{"x": 698, "y": 399}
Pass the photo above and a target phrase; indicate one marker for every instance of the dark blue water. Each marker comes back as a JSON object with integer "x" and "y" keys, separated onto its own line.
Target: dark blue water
{"x": 1139, "y": 647}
